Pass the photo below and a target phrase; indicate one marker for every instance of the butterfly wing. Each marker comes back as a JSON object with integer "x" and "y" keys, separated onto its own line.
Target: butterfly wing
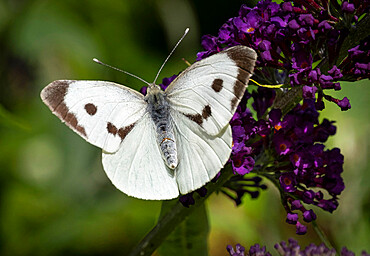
{"x": 137, "y": 168}
{"x": 209, "y": 91}
{"x": 103, "y": 113}
{"x": 201, "y": 155}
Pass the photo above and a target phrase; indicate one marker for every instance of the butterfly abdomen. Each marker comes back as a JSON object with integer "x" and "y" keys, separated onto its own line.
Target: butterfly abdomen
{"x": 159, "y": 110}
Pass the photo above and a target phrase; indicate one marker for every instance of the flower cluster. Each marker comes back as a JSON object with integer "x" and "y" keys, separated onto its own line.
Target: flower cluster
{"x": 298, "y": 44}
{"x": 292, "y": 248}
{"x": 301, "y": 39}
{"x": 289, "y": 151}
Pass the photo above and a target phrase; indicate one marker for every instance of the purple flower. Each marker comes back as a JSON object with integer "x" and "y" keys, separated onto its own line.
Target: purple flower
{"x": 292, "y": 218}
{"x": 335, "y": 72}
{"x": 344, "y": 104}
{"x": 242, "y": 26}
{"x": 306, "y": 19}
{"x": 301, "y": 58}
{"x": 209, "y": 42}
{"x": 324, "y": 130}
{"x": 324, "y": 25}
{"x": 326, "y": 81}
{"x": 300, "y": 229}
{"x": 293, "y": 24}
{"x": 309, "y": 92}
{"x": 239, "y": 250}
{"x": 309, "y": 216}
{"x": 355, "y": 52}
{"x": 346, "y": 252}
{"x": 242, "y": 164}
{"x": 288, "y": 182}
{"x": 283, "y": 145}
{"x": 347, "y": 7}
{"x": 257, "y": 250}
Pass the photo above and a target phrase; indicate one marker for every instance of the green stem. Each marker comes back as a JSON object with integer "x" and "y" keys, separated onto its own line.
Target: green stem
{"x": 175, "y": 216}
{"x": 321, "y": 234}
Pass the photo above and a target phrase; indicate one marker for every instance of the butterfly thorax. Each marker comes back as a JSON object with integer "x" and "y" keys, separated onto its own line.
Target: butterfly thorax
{"x": 159, "y": 109}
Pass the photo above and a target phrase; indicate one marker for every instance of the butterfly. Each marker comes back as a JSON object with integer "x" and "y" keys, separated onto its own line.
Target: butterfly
{"x": 165, "y": 143}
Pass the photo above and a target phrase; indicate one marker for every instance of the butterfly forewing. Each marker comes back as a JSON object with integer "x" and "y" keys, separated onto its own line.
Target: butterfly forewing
{"x": 209, "y": 91}
{"x": 103, "y": 113}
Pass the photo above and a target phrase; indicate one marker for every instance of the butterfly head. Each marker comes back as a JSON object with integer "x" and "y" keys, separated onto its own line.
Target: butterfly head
{"x": 154, "y": 89}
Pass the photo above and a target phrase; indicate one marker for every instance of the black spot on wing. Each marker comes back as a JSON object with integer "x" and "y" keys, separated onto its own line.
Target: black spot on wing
{"x": 122, "y": 132}
{"x": 111, "y": 128}
{"x": 217, "y": 85}
{"x": 198, "y": 118}
{"x": 91, "y": 109}
{"x": 195, "y": 118}
{"x": 206, "y": 112}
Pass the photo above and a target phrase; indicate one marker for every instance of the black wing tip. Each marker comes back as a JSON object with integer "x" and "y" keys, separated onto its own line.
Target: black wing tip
{"x": 56, "y": 88}
{"x": 244, "y": 57}
{"x": 241, "y": 52}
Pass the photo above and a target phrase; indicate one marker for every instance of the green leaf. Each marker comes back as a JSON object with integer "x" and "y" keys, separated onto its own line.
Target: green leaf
{"x": 190, "y": 237}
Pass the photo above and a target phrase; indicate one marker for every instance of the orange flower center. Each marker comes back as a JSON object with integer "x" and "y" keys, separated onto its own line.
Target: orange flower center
{"x": 237, "y": 163}
{"x": 287, "y": 181}
{"x": 277, "y": 127}
{"x": 282, "y": 147}
{"x": 295, "y": 158}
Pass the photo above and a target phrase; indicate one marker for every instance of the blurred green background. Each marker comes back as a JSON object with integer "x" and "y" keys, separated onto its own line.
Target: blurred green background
{"x": 55, "y": 197}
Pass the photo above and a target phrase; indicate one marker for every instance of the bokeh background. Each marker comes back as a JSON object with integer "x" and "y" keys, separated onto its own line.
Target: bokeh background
{"x": 55, "y": 197}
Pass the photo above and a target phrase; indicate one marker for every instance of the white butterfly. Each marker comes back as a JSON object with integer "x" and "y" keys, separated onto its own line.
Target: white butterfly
{"x": 168, "y": 141}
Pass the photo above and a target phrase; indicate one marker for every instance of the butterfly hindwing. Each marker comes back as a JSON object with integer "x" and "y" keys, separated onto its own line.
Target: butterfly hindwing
{"x": 201, "y": 156}
{"x": 209, "y": 91}
{"x": 137, "y": 168}
{"x": 103, "y": 113}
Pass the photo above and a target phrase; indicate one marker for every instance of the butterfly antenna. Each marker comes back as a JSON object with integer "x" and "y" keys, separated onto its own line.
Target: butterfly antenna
{"x": 109, "y": 66}
{"x": 174, "y": 48}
